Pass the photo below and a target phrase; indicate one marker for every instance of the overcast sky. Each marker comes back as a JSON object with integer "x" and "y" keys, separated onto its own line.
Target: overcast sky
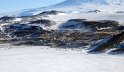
{"x": 14, "y": 5}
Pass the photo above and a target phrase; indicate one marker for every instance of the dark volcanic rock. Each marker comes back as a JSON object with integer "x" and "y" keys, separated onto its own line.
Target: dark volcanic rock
{"x": 52, "y": 12}
{"x": 117, "y": 51}
{"x": 121, "y": 45}
{"x": 120, "y": 12}
{"x": 22, "y": 30}
{"x": 6, "y": 19}
{"x": 44, "y": 22}
{"x": 121, "y": 28}
{"x": 94, "y": 11}
{"x": 84, "y": 25}
{"x": 107, "y": 44}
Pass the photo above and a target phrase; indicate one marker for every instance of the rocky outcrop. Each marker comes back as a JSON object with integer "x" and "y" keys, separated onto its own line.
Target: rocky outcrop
{"x": 44, "y": 22}
{"x": 31, "y": 19}
{"x": 6, "y": 19}
{"x": 94, "y": 11}
{"x": 117, "y": 51}
{"x": 52, "y": 12}
{"x": 84, "y": 25}
{"x": 23, "y": 30}
{"x": 121, "y": 28}
{"x": 109, "y": 43}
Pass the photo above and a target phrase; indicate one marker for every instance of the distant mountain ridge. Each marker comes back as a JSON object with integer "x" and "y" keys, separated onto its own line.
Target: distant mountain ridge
{"x": 78, "y": 2}
{"x": 75, "y": 5}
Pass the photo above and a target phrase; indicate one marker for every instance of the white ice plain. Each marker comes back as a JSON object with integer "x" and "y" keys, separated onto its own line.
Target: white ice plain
{"x": 47, "y": 59}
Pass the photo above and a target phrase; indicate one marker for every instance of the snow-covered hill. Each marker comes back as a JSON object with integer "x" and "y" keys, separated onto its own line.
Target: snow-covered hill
{"x": 87, "y": 5}
{"x": 79, "y": 6}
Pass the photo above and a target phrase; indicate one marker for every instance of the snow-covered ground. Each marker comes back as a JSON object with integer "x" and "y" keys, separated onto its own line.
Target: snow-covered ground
{"x": 89, "y": 16}
{"x": 62, "y": 18}
{"x": 46, "y": 59}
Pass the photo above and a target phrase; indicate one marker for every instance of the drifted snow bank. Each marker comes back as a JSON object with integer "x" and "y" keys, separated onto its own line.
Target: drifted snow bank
{"x": 46, "y": 59}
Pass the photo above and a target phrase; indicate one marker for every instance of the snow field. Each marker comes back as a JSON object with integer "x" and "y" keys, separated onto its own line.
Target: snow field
{"x": 46, "y": 59}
